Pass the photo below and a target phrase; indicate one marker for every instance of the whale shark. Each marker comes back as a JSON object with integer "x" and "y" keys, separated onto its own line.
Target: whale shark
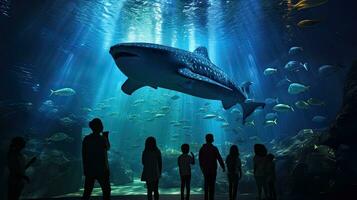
{"x": 193, "y": 73}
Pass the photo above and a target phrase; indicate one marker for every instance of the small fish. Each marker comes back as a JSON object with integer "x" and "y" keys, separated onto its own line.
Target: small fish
{"x": 58, "y": 137}
{"x": 305, "y": 4}
{"x": 283, "y": 108}
{"x": 270, "y": 123}
{"x": 209, "y": 116}
{"x": 186, "y": 127}
{"x": 256, "y": 138}
{"x": 66, "y": 121}
{"x": 315, "y": 102}
{"x": 295, "y": 50}
{"x": 295, "y": 66}
{"x": 318, "y": 119}
{"x": 159, "y": 115}
{"x": 63, "y": 92}
{"x": 221, "y": 119}
{"x": 235, "y": 110}
{"x": 269, "y": 71}
{"x": 250, "y": 123}
{"x": 139, "y": 101}
{"x": 271, "y": 116}
{"x": 308, "y": 23}
{"x": 175, "y": 97}
{"x": 246, "y": 86}
{"x": 283, "y": 82}
{"x": 302, "y": 104}
{"x": 306, "y": 131}
{"x": 272, "y": 100}
{"x": 328, "y": 70}
{"x": 87, "y": 110}
{"x": 225, "y": 125}
{"x": 296, "y": 88}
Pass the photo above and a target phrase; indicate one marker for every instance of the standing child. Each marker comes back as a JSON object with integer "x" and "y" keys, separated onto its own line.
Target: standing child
{"x": 270, "y": 172}
{"x": 184, "y": 162}
{"x": 234, "y": 167}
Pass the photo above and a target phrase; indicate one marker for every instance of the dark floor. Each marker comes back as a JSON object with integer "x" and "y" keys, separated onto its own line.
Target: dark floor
{"x": 162, "y": 197}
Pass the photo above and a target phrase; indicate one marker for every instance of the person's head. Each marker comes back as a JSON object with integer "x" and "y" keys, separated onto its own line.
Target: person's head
{"x": 270, "y": 157}
{"x": 96, "y": 125}
{"x": 17, "y": 144}
{"x": 150, "y": 144}
{"x": 185, "y": 148}
{"x": 233, "y": 151}
{"x": 209, "y": 138}
{"x": 260, "y": 150}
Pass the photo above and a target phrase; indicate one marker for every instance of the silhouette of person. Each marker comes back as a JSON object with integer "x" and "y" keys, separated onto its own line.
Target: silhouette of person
{"x": 17, "y": 167}
{"x": 270, "y": 176}
{"x": 208, "y": 157}
{"x": 152, "y": 163}
{"x": 259, "y": 161}
{"x": 184, "y": 162}
{"x": 234, "y": 168}
{"x": 95, "y": 160}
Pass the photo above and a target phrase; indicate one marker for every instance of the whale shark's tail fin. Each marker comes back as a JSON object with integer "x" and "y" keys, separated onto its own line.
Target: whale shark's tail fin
{"x": 249, "y": 107}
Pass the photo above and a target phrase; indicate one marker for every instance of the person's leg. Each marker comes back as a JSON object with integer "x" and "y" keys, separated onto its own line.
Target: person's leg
{"x": 149, "y": 187}
{"x": 230, "y": 187}
{"x": 105, "y": 185}
{"x": 88, "y": 187}
{"x": 156, "y": 190}
{"x": 265, "y": 188}
{"x": 182, "y": 187}
{"x": 211, "y": 187}
{"x": 235, "y": 187}
{"x": 15, "y": 189}
{"x": 206, "y": 186}
{"x": 259, "y": 186}
{"x": 188, "y": 187}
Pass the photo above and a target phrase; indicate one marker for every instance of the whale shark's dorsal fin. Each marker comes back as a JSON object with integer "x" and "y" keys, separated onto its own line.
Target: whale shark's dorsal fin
{"x": 202, "y": 51}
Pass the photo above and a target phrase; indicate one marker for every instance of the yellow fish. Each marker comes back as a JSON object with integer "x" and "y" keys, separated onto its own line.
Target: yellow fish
{"x": 308, "y": 23}
{"x": 305, "y": 4}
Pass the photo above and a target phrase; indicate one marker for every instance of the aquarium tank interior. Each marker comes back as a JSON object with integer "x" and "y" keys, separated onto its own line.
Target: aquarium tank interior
{"x": 282, "y": 73}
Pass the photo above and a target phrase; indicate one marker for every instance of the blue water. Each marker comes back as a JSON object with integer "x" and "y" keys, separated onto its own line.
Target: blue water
{"x": 65, "y": 44}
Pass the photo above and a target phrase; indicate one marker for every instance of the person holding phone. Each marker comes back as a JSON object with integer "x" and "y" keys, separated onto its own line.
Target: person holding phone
{"x": 95, "y": 159}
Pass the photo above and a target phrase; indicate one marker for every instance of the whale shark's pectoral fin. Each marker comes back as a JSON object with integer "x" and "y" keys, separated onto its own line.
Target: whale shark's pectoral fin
{"x": 228, "y": 104}
{"x": 198, "y": 77}
{"x": 131, "y": 86}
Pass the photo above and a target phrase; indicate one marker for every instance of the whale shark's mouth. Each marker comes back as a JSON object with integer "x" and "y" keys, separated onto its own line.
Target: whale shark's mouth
{"x": 124, "y": 54}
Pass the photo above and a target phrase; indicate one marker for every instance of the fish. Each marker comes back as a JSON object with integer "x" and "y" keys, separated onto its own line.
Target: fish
{"x": 302, "y": 104}
{"x": 63, "y": 92}
{"x": 250, "y": 123}
{"x": 308, "y": 23}
{"x": 295, "y": 66}
{"x": 296, "y": 88}
{"x": 306, "y": 131}
{"x": 328, "y": 70}
{"x": 283, "y": 82}
{"x": 86, "y": 110}
{"x": 225, "y": 125}
{"x": 256, "y": 138}
{"x": 271, "y": 116}
{"x": 175, "y": 97}
{"x": 235, "y": 110}
{"x": 283, "y": 108}
{"x": 305, "y": 4}
{"x": 159, "y": 115}
{"x": 66, "y": 121}
{"x": 58, "y": 137}
{"x": 193, "y": 73}
{"x": 209, "y": 116}
{"x": 315, "y": 102}
{"x": 318, "y": 118}
{"x": 139, "y": 101}
{"x": 269, "y": 71}
{"x": 295, "y": 50}
{"x": 221, "y": 119}
{"x": 271, "y": 100}
{"x": 186, "y": 127}
{"x": 270, "y": 122}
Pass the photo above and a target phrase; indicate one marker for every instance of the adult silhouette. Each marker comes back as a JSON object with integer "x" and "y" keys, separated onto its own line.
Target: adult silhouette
{"x": 17, "y": 167}
{"x": 152, "y": 163}
{"x": 95, "y": 160}
{"x": 259, "y": 165}
{"x": 208, "y": 157}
